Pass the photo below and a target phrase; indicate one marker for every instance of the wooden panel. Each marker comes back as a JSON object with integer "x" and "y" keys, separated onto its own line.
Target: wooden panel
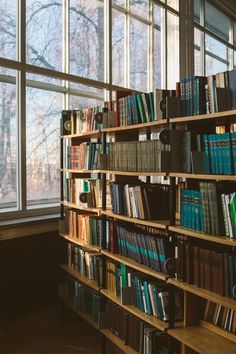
{"x": 94, "y": 133}
{"x": 75, "y": 274}
{"x": 141, "y": 126}
{"x": 201, "y": 117}
{"x": 75, "y": 206}
{"x": 161, "y": 325}
{"x": 135, "y": 265}
{"x": 81, "y": 243}
{"x": 203, "y": 341}
{"x": 160, "y": 224}
{"x": 202, "y": 236}
{"x": 84, "y": 172}
{"x": 127, "y": 173}
{"x": 204, "y": 176}
{"x": 218, "y": 299}
{"x": 191, "y": 309}
{"x": 219, "y": 331}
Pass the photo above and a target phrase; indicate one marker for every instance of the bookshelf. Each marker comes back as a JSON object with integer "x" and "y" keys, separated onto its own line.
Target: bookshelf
{"x": 194, "y": 334}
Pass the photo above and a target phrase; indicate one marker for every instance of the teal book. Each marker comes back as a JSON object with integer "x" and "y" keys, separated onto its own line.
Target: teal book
{"x": 147, "y": 297}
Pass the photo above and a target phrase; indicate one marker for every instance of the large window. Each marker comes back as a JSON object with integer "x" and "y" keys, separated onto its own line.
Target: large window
{"x": 214, "y": 39}
{"x": 58, "y": 55}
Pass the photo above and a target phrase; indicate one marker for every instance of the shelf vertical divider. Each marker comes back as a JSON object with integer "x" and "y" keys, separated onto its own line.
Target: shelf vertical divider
{"x": 103, "y": 176}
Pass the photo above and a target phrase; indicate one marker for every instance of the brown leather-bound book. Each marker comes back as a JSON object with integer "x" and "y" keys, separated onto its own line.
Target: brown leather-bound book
{"x": 221, "y": 274}
{"x": 225, "y": 274}
{"x": 196, "y": 266}
{"x": 189, "y": 262}
{"x": 202, "y": 267}
{"x": 208, "y": 256}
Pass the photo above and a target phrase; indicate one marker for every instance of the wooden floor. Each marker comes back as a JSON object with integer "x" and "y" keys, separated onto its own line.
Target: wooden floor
{"x": 45, "y": 333}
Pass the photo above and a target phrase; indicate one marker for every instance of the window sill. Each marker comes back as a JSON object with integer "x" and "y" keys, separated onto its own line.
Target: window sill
{"x": 30, "y": 226}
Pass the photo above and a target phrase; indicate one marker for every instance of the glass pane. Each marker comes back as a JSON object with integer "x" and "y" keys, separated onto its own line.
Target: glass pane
{"x": 216, "y": 21}
{"x": 197, "y": 4}
{"x": 140, "y": 7}
{"x": 42, "y": 146}
{"x": 84, "y": 88}
{"x": 172, "y": 50}
{"x": 8, "y": 16}
{"x": 234, "y": 59}
{"x": 87, "y": 39}
{"x": 215, "y": 47}
{"x": 174, "y": 4}
{"x": 118, "y": 48}
{"x": 198, "y": 65}
{"x": 119, "y": 2}
{"x": 45, "y": 79}
{"x": 8, "y": 147}
{"x": 138, "y": 55}
{"x": 158, "y": 56}
{"x": 157, "y": 15}
{"x": 44, "y": 33}
{"x": 214, "y": 66}
{"x": 77, "y": 102}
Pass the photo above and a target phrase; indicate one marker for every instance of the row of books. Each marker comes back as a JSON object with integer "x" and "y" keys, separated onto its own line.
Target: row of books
{"x": 142, "y": 201}
{"x": 215, "y": 93}
{"x": 139, "y": 156}
{"x": 220, "y": 316}
{"x": 148, "y": 248}
{"x": 79, "y": 121}
{"x": 85, "y": 156}
{"x": 211, "y": 209}
{"x": 84, "y": 192}
{"x": 135, "y": 288}
{"x": 85, "y": 262}
{"x": 208, "y": 268}
{"x": 81, "y": 297}
{"x": 137, "y": 334}
{"x": 219, "y": 153}
{"x": 84, "y": 227}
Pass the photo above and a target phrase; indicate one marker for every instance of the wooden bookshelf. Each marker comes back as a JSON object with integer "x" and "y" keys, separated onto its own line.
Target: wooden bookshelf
{"x": 204, "y": 117}
{"x": 117, "y": 341}
{"x": 92, "y": 134}
{"x": 105, "y": 332}
{"x": 140, "y": 127}
{"x": 204, "y": 176}
{"x": 77, "y": 275}
{"x": 161, "y": 224}
{"x": 153, "y": 321}
{"x": 202, "y": 340}
{"x": 135, "y": 265}
{"x": 81, "y": 243}
{"x": 76, "y": 206}
{"x": 202, "y": 236}
{"x": 206, "y": 294}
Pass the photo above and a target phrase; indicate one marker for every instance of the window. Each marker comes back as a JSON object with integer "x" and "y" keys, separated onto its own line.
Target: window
{"x": 64, "y": 63}
{"x": 214, "y": 39}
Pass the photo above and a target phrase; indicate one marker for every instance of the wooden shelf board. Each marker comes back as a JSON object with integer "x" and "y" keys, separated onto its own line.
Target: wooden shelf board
{"x": 203, "y": 176}
{"x": 72, "y": 170}
{"x": 208, "y": 116}
{"x": 202, "y": 340}
{"x": 81, "y": 243}
{"x": 76, "y": 206}
{"x": 218, "y": 330}
{"x": 140, "y": 126}
{"x": 75, "y": 274}
{"x": 202, "y": 236}
{"x": 130, "y": 173}
{"x": 117, "y": 341}
{"x": 81, "y": 135}
{"x": 161, "y": 325}
{"x": 206, "y": 294}
{"x": 135, "y": 265}
{"x": 160, "y": 224}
